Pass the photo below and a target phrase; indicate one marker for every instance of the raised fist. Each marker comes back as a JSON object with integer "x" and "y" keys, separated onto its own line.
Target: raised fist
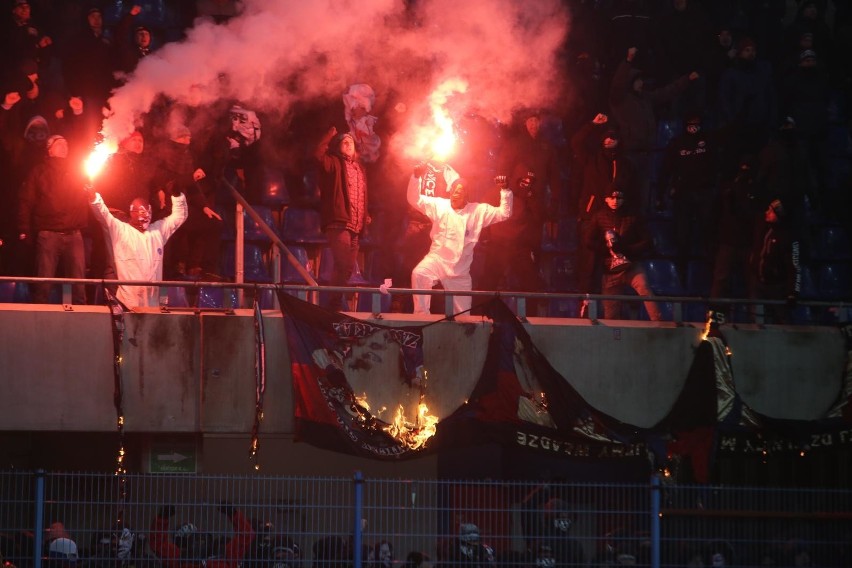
{"x": 502, "y": 182}
{"x": 419, "y": 169}
{"x": 600, "y": 118}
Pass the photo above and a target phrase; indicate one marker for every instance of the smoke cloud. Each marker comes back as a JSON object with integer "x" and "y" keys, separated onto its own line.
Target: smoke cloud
{"x": 278, "y": 53}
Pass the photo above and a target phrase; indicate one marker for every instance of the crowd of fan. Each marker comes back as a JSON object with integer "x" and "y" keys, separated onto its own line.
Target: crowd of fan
{"x": 713, "y": 135}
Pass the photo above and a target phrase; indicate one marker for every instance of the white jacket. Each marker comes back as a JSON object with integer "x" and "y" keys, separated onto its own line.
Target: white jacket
{"x": 138, "y": 255}
{"x": 454, "y": 233}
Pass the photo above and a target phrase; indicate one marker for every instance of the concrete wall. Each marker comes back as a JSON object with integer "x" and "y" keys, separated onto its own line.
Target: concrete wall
{"x": 190, "y": 373}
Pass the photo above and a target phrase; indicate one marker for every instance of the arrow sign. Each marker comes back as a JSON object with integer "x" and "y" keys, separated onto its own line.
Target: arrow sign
{"x": 173, "y": 458}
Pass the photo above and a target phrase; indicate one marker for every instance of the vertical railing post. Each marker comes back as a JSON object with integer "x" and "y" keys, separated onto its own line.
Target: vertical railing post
{"x": 38, "y": 530}
{"x": 358, "y": 533}
{"x": 655, "y": 521}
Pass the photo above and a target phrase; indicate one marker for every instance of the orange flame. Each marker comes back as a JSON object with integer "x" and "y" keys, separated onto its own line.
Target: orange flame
{"x": 414, "y": 435}
{"x": 98, "y": 157}
{"x": 437, "y": 140}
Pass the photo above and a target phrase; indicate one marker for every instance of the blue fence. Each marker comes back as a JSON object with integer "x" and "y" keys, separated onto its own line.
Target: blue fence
{"x": 69, "y": 519}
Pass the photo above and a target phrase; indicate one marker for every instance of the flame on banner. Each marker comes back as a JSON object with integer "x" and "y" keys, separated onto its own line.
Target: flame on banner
{"x": 413, "y": 435}
{"x": 97, "y": 158}
{"x": 437, "y": 140}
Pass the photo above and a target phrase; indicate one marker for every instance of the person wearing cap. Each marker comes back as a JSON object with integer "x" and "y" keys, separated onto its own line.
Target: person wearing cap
{"x": 89, "y": 62}
{"x": 456, "y": 226}
{"x": 620, "y": 237}
{"x": 137, "y": 245}
{"x": 466, "y": 549}
{"x": 52, "y": 212}
{"x": 776, "y": 271}
{"x": 689, "y": 178}
{"x": 22, "y": 39}
{"x": 343, "y": 205}
{"x": 133, "y": 42}
{"x": 596, "y": 149}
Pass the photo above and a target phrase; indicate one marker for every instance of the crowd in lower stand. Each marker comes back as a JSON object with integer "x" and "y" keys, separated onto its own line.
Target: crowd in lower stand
{"x": 702, "y": 149}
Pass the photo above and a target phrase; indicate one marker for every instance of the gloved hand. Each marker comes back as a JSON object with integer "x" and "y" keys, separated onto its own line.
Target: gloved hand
{"x": 167, "y": 511}
{"x": 174, "y": 189}
{"x": 502, "y": 182}
{"x": 227, "y": 508}
{"x": 419, "y": 170}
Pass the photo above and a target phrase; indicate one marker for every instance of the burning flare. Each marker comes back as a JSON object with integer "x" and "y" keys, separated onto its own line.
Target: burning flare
{"x": 413, "y": 435}
{"x": 437, "y": 140}
{"x": 96, "y": 160}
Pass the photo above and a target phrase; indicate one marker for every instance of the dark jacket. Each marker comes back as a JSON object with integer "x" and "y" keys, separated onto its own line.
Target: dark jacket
{"x": 599, "y": 172}
{"x": 53, "y": 199}
{"x": 633, "y": 236}
{"x": 775, "y": 262}
{"x": 634, "y": 112}
{"x": 335, "y": 207}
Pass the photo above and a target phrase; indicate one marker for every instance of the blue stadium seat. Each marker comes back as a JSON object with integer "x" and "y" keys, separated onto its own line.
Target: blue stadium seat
{"x": 302, "y": 226}
{"x": 663, "y": 236}
{"x": 365, "y": 302}
{"x": 176, "y": 296}
{"x": 663, "y": 277}
{"x": 563, "y": 308}
{"x": 810, "y": 285}
{"x": 253, "y": 232}
{"x": 254, "y": 264}
{"x": 275, "y": 192}
{"x": 289, "y": 274}
{"x": 832, "y": 243}
{"x": 835, "y": 281}
{"x": 560, "y": 236}
{"x": 7, "y": 292}
{"x": 215, "y": 297}
{"x": 699, "y": 278}
{"x": 563, "y": 277}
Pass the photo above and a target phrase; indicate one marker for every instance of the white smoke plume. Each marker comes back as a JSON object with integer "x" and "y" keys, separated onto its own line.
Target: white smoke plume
{"x": 279, "y": 52}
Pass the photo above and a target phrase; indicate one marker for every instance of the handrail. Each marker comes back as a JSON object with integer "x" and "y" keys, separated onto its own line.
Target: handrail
{"x": 267, "y": 230}
{"x": 304, "y": 290}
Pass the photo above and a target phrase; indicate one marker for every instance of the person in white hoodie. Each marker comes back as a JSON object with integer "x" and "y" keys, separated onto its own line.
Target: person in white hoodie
{"x": 456, "y": 226}
{"x": 137, "y": 246}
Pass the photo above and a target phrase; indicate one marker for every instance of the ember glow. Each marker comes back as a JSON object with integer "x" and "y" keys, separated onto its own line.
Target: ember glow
{"x": 96, "y": 160}
{"x": 436, "y": 140}
{"x": 414, "y": 435}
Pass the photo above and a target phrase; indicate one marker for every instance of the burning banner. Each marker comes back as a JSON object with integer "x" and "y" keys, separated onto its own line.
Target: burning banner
{"x": 333, "y": 358}
{"x": 343, "y": 391}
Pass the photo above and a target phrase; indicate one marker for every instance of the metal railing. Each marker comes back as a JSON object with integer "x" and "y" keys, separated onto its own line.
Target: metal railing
{"x": 323, "y": 520}
{"x": 827, "y": 312}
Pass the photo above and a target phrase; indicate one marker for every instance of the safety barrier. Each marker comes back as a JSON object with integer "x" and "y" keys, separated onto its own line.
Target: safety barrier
{"x": 312, "y": 521}
{"x": 677, "y": 309}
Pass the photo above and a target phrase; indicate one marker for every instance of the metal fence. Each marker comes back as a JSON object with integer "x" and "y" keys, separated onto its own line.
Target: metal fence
{"x": 319, "y": 522}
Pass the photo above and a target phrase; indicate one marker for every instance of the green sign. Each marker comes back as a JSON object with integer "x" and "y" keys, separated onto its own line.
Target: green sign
{"x": 173, "y": 458}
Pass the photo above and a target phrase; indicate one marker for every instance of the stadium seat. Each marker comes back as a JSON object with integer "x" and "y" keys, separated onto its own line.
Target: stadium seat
{"x": 835, "y": 281}
{"x": 559, "y": 237}
{"x": 365, "y": 302}
{"x": 275, "y": 194}
{"x": 253, "y": 231}
{"x": 254, "y": 264}
{"x": 663, "y": 277}
{"x": 215, "y": 297}
{"x": 563, "y": 277}
{"x": 699, "y": 278}
{"x": 176, "y": 296}
{"x": 7, "y": 292}
{"x": 831, "y": 244}
{"x": 289, "y": 274}
{"x": 302, "y": 226}
{"x": 810, "y": 287}
{"x": 563, "y": 308}
{"x": 663, "y": 236}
